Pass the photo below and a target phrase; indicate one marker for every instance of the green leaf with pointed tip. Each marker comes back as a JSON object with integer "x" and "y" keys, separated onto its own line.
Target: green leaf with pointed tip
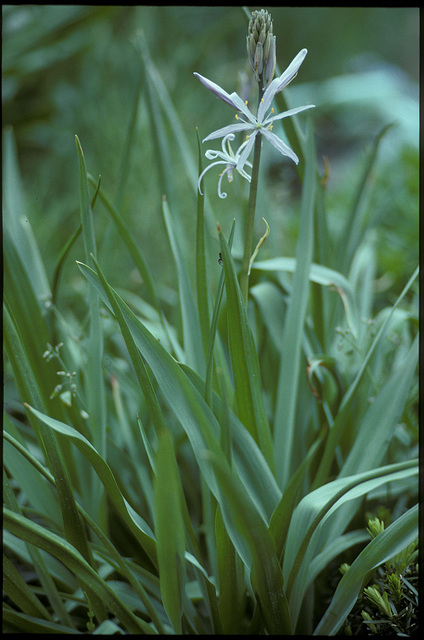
{"x": 16, "y": 219}
{"x": 345, "y": 409}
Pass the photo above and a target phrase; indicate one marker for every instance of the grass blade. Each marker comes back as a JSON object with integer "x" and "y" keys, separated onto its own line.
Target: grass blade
{"x": 53, "y": 450}
{"x": 213, "y": 334}
{"x": 19, "y": 592}
{"x": 122, "y": 564}
{"x": 127, "y": 238}
{"x": 16, "y": 219}
{"x": 353, "y": 230}
{"x": 229, "y": 580}
{"x": 323, "y": 276}
{"x": 139, "y": 366}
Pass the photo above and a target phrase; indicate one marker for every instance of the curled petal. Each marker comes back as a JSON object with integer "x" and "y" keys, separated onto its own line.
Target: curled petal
{"x": 222, "y": 194}
{"x": 207, "y": 169}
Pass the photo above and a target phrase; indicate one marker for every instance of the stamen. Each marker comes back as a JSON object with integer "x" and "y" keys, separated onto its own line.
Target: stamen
{"x": 245, "y": 103}
{"x": 247, "y": 138}
{"x": 270, "y": 127}
{"x": 237, "y": 116}
{"x": 272, "y": 109}
{"x": 262, "y": 100}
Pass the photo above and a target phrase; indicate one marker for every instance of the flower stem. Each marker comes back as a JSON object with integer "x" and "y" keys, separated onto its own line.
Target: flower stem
{"x": 250, "y": 223}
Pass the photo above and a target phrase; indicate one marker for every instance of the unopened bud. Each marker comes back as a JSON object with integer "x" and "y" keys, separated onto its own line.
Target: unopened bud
{"x": 259, "y": 61}
{"x": 271, "y": 61}
{"x": 261, "y": 44}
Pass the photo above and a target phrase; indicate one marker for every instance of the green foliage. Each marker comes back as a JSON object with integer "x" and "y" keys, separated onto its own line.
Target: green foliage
{"x": 389, "y": 605}
{"x": 176, "y": 461}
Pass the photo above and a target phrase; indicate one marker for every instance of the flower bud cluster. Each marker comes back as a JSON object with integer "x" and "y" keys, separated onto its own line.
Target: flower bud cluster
{"x": 261, "y": 46}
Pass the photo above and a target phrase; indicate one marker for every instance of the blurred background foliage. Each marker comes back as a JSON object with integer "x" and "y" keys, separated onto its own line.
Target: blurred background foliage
{"x": 76, "y": 70}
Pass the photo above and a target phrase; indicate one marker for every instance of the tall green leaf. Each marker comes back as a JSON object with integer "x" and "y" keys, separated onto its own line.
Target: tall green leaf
{"x": 95, "y": 384}
{"x": 246, "y": 527}
{"x": 16, "y": 220}
{"x": 288, "y": 377}
{"x": 244, "y": 361}
{"x": 169, "y": 531}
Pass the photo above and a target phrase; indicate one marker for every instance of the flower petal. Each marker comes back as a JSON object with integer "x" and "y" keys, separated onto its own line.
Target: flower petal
{"x": 216, "y": 89}
{"x": 232, "y": 99}
{"x": 231, "y": 128}
{"x": 246, "y": 151}
{"x": 213, "y": 164}
{"x": 279, "y": 83}
{"x": 281, "y": 146}
{"x": 286, "y": 114}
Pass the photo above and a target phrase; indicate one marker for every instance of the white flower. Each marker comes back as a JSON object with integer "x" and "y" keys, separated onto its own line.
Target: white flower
{"x": 229, "y": 158}
{"x": 263, "y": 122}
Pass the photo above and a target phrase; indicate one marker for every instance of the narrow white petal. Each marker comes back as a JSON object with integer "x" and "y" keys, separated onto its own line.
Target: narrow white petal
{"x": 233, "y": 99}
{"x": 279, "y": 83}
{"x": 232, "y": 128}
{"x": 286, "y": 114}
{"x": 216, "y": 89}
{"x": 246, "y": 151}
{"x": 281, "y": 146}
